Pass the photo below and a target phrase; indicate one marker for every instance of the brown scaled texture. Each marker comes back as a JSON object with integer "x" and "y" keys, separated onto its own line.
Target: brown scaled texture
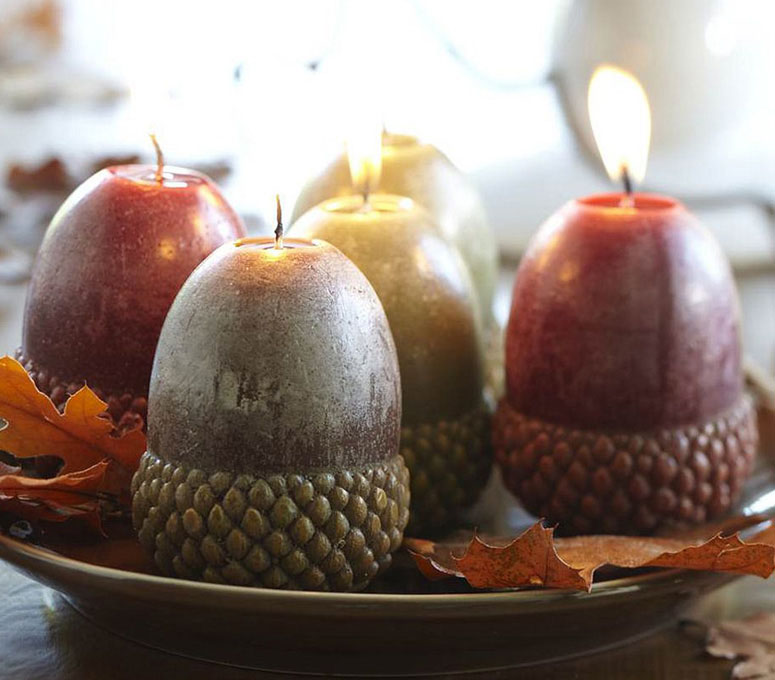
{"x": 596, "y": 482}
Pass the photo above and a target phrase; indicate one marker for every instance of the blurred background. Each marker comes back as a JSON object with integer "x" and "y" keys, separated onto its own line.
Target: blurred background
{"x": 260, "y": 94}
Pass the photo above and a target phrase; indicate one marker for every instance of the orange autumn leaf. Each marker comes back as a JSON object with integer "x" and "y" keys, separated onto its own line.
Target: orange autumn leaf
{"x": 79, "y": 435}
{"x": 76, "y": 494}
{"x": 531, "y": 559}
{"x": 537, "y": 558}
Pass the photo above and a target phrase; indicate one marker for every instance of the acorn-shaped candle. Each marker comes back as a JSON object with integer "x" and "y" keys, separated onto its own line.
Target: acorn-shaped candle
{"x": 111, "y": 263}
{"x": 274, "y": 421}
{"x": 423, "y": 173}
{"x": 624, "y": 410}
{"x": 429, "y": 301}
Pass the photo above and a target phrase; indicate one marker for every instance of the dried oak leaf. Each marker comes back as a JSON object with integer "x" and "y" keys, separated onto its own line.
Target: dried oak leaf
{"x": 537, "y": 558}
{"x": 76, "y": 494}
{"x": 531, "y": 559}
{"x": 80, "y": 436}
{"x": 97, "y": 465}
{"x": 751, "y": 639}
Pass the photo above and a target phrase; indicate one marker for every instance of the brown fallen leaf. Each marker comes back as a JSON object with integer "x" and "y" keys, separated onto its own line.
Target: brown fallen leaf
{"x": 531, "y": 559}
{"x": 76, "y": 494}
{"x": 80, "y": 436}
{"x": 751, "y": 639}
{"x": 97, "y": 464}
{"x": 537, "y": 558}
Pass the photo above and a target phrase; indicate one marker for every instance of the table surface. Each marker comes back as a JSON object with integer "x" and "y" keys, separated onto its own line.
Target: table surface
{"x": 41, "y": 636}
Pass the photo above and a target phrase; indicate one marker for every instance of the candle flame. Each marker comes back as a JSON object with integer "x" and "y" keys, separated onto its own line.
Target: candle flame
{"x": 364, "y": 151}
{"x": 621, "y": 122}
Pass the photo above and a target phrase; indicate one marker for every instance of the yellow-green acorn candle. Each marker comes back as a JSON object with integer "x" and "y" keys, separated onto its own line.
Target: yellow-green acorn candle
{"x": 430, "y": 304}
{"x": 423, "y": 173}
{"x": 273, "y": 424}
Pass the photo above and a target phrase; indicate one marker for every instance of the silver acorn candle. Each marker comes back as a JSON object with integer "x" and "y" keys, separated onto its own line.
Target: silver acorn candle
{"x": 273, "y": 432}
{"x": 430, "y": 303}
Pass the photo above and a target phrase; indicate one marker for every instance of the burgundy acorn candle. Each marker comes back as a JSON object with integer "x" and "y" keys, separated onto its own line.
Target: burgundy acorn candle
{"x": 111, "y": 263}
{"x": 625, "y": 408}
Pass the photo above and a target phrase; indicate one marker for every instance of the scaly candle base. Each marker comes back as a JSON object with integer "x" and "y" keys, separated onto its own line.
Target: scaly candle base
{"x": 600, "y": 481}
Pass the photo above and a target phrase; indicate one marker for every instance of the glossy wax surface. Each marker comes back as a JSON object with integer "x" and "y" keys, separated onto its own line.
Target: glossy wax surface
{"x": 425, "y": 290}
{"x": 275, "y": 360}
{"x": 111, "y": 263}
{"x": 623, "y": 318}
{"x": 423, "y": 173}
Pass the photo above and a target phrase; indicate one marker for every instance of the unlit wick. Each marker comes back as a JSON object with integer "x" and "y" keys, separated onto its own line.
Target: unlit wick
{"x": 159, "y": 159}
{"x": 278, "y": 232}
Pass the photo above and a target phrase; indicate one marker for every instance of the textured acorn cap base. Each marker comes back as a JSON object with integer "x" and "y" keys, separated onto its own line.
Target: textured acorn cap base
{"x": 319, "y": 531}
{"x": 127, "y": 410}
{"x": 590, "y": 481}
{"x": 449, "y": 463}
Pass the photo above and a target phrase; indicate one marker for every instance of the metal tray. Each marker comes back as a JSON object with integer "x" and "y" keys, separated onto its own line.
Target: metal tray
{"x": 403, "y": 625}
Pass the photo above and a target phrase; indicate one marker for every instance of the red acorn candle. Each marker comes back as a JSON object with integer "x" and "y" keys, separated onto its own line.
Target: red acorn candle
{"x": 624, "y": 409}
{"x": 113, "y": 259}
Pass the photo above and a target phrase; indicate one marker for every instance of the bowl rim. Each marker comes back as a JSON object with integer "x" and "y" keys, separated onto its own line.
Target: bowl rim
{"x": 37, "y": 560}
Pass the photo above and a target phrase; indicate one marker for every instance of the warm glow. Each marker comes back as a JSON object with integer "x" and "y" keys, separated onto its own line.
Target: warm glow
{"x": 364, "y": 151}
{"x": 151, "y": 105}
{"x": 167, "y": 249}
{"x": 621, "y": 121}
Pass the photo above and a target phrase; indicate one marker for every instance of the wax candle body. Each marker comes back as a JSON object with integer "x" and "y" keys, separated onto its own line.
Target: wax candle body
{"x": 274, "y": 417}
{"x": 426, "y": 294}
{"x": 424, "y": 174}
{"x": 111, "y": 263}
{"x": 430, "y": 304}
{"x": 624, "y": 317}
{"x": 624, "y": 409}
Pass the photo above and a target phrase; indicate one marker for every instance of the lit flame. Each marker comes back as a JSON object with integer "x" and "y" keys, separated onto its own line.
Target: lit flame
{"x": 621, "y": 122}
{"x": 151, "y": 105}
{"x": 364, "y": 151}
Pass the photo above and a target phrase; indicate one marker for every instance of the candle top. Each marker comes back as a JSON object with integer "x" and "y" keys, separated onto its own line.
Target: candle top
{"x": 266, "y": 243}
{"x": 639, "y": 202}
{"x": 173, "y": 177}
{"x": 376, "y": 203}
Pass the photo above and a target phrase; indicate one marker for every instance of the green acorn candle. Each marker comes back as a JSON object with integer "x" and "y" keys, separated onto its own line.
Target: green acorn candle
{"x": 423, "y": 173}
{"x": 274, "y": 419}
{"x": 431, "y": 306}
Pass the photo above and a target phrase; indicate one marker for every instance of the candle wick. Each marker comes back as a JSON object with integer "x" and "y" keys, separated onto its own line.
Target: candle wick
{"x": 159, "y": 159}
{"x": 626, "y": 180}
{"x": 627, "y": 200}
{"x": 366, "y": 189}
{"x": 278, "y": 232}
